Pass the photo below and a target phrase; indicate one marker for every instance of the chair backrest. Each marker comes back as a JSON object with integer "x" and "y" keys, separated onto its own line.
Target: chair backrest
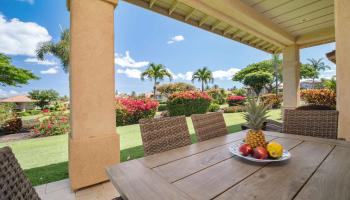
{"x": 13, "y": 183}
{"x": 317, "y": 123}
{"x": 164, "y": 134}
{"x": 208, "y": 126}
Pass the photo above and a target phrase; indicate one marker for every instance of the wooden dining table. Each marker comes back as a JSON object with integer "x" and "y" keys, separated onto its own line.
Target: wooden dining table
{"x": 318, "y": 169}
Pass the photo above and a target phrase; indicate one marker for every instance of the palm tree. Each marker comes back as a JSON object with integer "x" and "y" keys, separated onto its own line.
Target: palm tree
{"x": 204, "y": 75}
{"x": 156, "y": 72}
{"x": 59, "y": 49}
{"x": 276, "y": 61}
{"x": 318, "y": 66}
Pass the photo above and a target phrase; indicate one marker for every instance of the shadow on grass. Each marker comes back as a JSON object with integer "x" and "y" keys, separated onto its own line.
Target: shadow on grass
{"x": 59, "y": 171}
{"x": 47, "y": 174}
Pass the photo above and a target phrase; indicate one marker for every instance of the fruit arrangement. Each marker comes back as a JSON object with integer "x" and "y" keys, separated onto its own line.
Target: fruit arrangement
{"x": 255, "y": 143}
{"x": 273, "y": 150}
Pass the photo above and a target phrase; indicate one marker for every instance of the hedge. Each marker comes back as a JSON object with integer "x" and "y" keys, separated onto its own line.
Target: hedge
{"x": 188, "y": 103}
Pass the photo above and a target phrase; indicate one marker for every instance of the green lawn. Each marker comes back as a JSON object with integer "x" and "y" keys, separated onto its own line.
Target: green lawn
{"x": 45, "y": 159}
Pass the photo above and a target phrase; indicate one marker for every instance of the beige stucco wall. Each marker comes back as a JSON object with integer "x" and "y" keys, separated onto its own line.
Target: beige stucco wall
{"x": 93, "y": 143}
{"x": 342, "y": 34}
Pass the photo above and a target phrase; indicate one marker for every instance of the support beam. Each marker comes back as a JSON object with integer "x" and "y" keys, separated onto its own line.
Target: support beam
{"x": 173, "y": 7}
{"x": 237, "y": 14}
{"x": 322, "y": 36}
{"x": 188, "y": 16}
{"x": 291, "y": 77}
{"x": 151, "y": 3}
{"x": 227, "y": 30}
{"x": 93, "y": 142}
{"x": 217, "y": 23}
{"x": 342, "y": 32}
{"x": 203, "y": 20}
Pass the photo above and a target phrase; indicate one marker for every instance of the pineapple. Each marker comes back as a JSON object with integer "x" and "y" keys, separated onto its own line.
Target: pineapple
{"x": 255, "y": 115}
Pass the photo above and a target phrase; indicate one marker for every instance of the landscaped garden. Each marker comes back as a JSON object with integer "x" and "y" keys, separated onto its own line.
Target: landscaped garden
{"x": 45, "y": 159}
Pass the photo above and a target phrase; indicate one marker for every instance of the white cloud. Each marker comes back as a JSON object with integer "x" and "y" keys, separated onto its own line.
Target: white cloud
{"x": 5, "y": 94}
{"x": 183, "y": 76}
{"x": 40, "y": 62}
{"x": 177, "y": 38}
{"x": 328, "y": 74}
{"x": 127, "y": 61}
{"x": 218, "y": 74}
{"x": 225, "y": 74}
{"x": 27, "y": 1}
{"x": 21, "y": 38}
{"x": 52, "y": 70}
{"x": 131, "y": 73}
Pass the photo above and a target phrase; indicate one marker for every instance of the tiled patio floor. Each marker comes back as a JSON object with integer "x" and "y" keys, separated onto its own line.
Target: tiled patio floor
{"x": 60, "y": 190}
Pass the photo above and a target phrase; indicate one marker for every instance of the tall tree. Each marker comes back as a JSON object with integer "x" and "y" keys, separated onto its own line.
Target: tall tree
{"x": 276, "y": 63}
{"x": 318, "y": 65}
{"x": 203, "y": 75}
{"x": 13, "y": 76}
{"x": 59, "y": 49}
{"x": 330, "y": 84}
{"x": 156, "y": 72}
{"x": 44, "y": 97}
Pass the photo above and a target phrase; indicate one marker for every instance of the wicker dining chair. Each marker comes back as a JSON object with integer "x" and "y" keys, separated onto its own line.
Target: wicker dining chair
{"x": 14, "y": 185}
{"x": 163, "y": 134}
{"x": 208, "y": 126}
{"x": 316, "y": 123}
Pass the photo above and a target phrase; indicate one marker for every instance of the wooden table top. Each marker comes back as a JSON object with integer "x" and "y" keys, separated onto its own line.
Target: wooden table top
{"x": 318, "y": 169}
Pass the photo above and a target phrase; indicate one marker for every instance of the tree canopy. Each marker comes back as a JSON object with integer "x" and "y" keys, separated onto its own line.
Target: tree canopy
{"x": 257, "y": 80}
{"x": 316, "y": 65}
{"x": 203, "y": 75}
{"x": 13, "y": 76}
{"x": 59, "y": 49}
{"x": 44, "y": 97}
{"x": 155, "y": 72}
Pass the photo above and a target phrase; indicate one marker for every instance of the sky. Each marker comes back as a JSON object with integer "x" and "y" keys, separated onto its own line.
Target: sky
{"x": 141, "y": 37}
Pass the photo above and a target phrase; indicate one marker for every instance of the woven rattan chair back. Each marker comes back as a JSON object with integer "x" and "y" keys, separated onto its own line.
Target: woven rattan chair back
{"x": 208, "y": 126}
{"x": 316, "y": 123}
{"x": 14, "y": 185}
{"x": 163, "y": 134}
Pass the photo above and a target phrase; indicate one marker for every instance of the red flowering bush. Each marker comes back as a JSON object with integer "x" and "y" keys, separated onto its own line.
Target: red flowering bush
{"x": 55, "y": 123}
{"x": 235, "y": 100}
{"x": 188, "y": 103}
{"x": 131, "y": 110}
{"x": 323, "y": 97}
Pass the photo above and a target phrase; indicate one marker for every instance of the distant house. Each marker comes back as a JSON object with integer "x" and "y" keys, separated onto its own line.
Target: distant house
{"x": 22, "y": 102}
{"x": 307, "y": 84}
{"x": 159, "y": 96}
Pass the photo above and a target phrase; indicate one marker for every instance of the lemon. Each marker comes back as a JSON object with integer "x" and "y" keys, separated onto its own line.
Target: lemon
{"x": 275, "y": 149}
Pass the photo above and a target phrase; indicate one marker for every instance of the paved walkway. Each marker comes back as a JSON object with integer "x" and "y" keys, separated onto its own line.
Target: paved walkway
{"x": 61, "y": 190}
{"x": 16, "y": 136}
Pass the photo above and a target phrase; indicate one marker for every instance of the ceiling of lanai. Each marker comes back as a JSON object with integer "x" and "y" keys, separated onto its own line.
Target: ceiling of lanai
{"x": 268, "y": 25}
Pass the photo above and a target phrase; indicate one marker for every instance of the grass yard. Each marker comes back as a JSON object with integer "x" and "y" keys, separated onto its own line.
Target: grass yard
{"x": 45, "y": 159}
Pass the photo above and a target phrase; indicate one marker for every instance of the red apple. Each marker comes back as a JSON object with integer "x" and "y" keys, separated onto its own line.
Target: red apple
{"x": 245, "y": 149}
{"x": 260, "y": 153}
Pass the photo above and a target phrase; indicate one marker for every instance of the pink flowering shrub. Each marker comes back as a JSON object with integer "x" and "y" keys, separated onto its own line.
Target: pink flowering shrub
{"x": 54, "y": 123}
{"x": 188, "y": 103}
{"x": 235, "y": 100}
{"x": 131, "y": 110}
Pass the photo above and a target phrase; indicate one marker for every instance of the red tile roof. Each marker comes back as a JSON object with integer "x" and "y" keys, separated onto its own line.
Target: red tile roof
{"x": 17, "y": 99}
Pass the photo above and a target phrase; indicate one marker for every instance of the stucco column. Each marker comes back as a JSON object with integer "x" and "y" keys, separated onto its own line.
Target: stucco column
{"x": 342, "y": 33}
{"x": 291, "y": 77}
{"x": 93, "y": 142}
